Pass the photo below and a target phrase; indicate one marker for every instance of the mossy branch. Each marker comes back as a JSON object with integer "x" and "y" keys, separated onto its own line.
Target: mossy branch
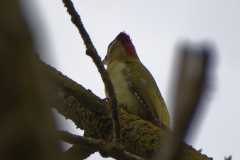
{"x": 91, "y": 114}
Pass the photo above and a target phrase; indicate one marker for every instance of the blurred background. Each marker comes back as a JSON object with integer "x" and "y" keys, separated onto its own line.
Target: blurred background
{"x": 157, "y": 28}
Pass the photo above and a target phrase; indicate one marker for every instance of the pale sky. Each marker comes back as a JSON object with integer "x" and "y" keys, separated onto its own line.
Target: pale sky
{"x": 156, "y": 29}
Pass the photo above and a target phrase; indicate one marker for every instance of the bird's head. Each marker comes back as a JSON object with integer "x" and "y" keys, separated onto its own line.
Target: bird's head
{"x": 121, "y": 49}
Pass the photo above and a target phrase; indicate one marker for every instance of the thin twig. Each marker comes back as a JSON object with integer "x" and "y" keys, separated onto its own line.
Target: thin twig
{"x": 92, "y": 52}
{"x": 99, "y": 145}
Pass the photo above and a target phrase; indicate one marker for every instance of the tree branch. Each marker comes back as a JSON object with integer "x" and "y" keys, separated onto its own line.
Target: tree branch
{"x": 193, "y": 71}
{"x": 90, "y": 113}
{"x": 107, "y": 149}
{"x": 92, "y": 52}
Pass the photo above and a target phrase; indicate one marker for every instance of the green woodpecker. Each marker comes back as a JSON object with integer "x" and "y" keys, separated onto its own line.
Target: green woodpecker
{"x": 134, "y": 85}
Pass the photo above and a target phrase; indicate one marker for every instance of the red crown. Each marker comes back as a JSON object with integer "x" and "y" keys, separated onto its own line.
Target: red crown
{"x": 127, "y": 44}
{"x": 123, "y": 37}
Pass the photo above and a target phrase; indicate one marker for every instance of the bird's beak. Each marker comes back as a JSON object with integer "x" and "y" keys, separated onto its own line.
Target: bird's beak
{"x": 104, "y": 62}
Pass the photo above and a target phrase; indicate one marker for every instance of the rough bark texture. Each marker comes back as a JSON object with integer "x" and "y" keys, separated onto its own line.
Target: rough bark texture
{"x": 91, "y": 114}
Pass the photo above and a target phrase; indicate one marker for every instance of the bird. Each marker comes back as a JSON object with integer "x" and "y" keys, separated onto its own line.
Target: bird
{"x": 135, "y": 87}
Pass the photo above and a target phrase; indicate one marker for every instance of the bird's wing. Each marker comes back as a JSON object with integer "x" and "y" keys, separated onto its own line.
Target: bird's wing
{"x": 136, "y": 77}
{"x": 144, "y": 84}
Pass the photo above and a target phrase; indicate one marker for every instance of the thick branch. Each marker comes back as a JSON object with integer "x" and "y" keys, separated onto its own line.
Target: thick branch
{"x": 90, "y": 113}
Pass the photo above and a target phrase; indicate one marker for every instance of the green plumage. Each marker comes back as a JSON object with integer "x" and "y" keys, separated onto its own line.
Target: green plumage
{"x": 125, "y": 70}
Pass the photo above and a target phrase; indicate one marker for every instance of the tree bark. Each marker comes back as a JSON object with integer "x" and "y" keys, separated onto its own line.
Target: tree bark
{"x": 92, "y": 114}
